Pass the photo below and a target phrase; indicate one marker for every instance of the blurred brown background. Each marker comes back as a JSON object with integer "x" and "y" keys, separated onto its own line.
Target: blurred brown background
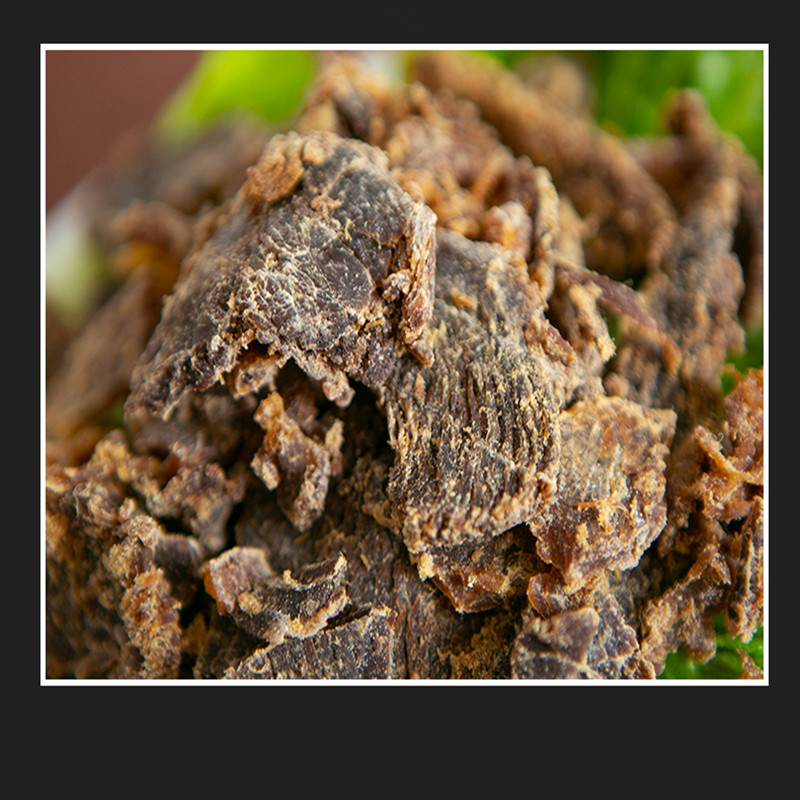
{"x": 93, "y": 97}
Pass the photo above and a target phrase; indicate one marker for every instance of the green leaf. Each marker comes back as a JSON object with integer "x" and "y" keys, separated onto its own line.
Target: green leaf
{"x": 632, "y": 86}
{"x": 267, "y": 84}
{"x": 726, "y": 663}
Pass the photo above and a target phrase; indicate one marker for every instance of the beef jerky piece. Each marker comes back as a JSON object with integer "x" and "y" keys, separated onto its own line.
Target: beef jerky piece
{"x": 613, "y": 599}
{"x": 676, "y": 161}
{"x": 735, "y": 472}
{"x": 361, "y": 648}
{"x": 574, "y": 309}
{"x": 475, "y": 434}
{"x": 95, "y": 370}
{"x": 718, "y": 470}
{"x": 683, "y": 616}
{"x": 204, "y": 428}
{"x": 321, "y": 258}
{"x": 695, "y": 293}
{"x": 262, "y": 523}
{"x": 198, "y": 494}
{"x": 299, "y": 465}
{"x": 555, "y": 648}
{"x": 380, "y": 573}
{"x": 109, "y": 608}
{"x": 477, "y": 576}
{"x": 610, "y": 505}
{"x": 272, "y": 607}
{"x": 439, "y": 150}
{"x": 487, "y": 655}
{"x": 153, "y": 235}
{"x": 749, "y": 243}
{"x": 744, "y": 612}
{"x": 351, "y": 101}
{"x": 441, "y": 147}
{"x": 593, "y": 168}
{"x": 562, "y": 79}
{"x": 188, "y": 176}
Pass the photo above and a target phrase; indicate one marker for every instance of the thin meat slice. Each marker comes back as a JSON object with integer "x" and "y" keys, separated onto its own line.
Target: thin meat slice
{"x": 321, "y": 257}
{"x": 475, "y": 434}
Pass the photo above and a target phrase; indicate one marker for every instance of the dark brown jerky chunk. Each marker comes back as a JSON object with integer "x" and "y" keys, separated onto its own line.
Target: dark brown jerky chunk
{"x": 475, "y": 434}
{"x": 110, "y": 611}
{"x": 613, "y": 649}
{"x": 555, "y": 648}
{"x": 272, "y": 607}
{"x": 361, "y": 648}
{"x": 610, "y": 505}
{"x": 321, "y": 258}
{"x": 592, "y": 167}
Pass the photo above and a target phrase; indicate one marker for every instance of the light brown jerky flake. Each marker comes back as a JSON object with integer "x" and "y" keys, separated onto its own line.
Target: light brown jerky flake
{"x": 110, "y": 611}
{"x": 592, "y": 167}
{"x": 273, "y": 607}
{"x": 321, "y": 258}
{"x": 683, "y": 616}
{"x": 610, "y": 504}
{"x": 200, "y": 495}
{"x": 744, "y": 612}
{"x": 735, "y": 470}
{"x": 298, "y": 465}
{"x": 475, "y": 434}
{"x": 360, "y": 648}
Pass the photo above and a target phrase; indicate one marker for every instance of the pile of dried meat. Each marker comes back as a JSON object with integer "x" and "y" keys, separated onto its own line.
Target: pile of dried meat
{"x": 426, "y": 386}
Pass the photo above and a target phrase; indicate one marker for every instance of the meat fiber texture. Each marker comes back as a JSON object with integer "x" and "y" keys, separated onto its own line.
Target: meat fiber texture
{"x": 427, "y": 387}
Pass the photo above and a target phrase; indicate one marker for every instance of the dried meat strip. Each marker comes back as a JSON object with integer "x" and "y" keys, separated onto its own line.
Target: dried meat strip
{"x": 475, "y": 434}
{"x": 440, "y": 151}
{"x": 683, "y": 616}
{"x": 593, "y": 168}
{"x": 611, "y": 502}
{"x": 361, "y": 648}
{"x": 696, "y": 291}
{"x": 107, "y": 597}
{"x": 321, "y": 258}
{"x": 272, "y": 607}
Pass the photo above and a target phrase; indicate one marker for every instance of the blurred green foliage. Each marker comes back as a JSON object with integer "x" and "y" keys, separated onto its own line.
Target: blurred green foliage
{"x": 268, "y": 84}
{"x": 726, "y": 663}
{"x": 632, "y": 86}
